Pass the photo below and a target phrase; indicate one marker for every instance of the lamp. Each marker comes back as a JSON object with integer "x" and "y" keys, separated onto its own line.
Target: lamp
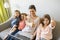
{"x": 6, "y": 5}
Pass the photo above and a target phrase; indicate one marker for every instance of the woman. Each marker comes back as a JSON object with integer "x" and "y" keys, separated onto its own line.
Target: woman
{"x": 32, "y": 21}
{"x": 44, "y": 31}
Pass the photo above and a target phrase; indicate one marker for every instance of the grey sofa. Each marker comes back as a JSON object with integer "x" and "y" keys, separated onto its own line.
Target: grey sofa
{"x": 4, "y": 28}
{"x": 5, "y": 25}
{"x": 56, "y": 31}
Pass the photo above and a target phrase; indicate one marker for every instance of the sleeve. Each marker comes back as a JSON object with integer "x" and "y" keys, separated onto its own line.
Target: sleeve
{"x": 15, "y": 22}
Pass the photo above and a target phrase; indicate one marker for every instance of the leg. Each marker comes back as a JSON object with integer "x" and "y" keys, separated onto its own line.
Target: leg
{"x": 10, "y": 32}
{"x": 13, "y": 33}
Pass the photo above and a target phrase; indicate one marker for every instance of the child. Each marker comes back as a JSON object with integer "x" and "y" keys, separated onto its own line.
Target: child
{"x": 22, "y": 21}
{"x": 44, "y": 31}
{"x": 16, "y": 18}
{"x": 14, "y": 22}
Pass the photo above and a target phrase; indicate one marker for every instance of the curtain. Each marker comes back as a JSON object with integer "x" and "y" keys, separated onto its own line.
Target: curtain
{"x": 4, "y": 15}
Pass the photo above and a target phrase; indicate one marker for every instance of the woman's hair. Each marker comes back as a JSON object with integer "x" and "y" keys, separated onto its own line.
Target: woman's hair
{"x": 41, "y": 21}
{"x": 19, "y": 13}
{"x": 48, "y": 17}
{"x": 32, "y": 7}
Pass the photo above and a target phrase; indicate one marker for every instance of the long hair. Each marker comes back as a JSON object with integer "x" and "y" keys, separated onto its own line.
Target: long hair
{"x": 32, "y": 7}
{"x": 48, "y": 17}
{"x": 41, "y": 21}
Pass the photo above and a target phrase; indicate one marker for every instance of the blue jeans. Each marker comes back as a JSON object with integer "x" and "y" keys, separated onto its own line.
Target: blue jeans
{"x": 13, "y": 33}
{"x": 42, "y": 39}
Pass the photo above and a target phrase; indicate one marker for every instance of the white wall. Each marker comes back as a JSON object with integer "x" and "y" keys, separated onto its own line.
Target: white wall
{"x": 43, "y": 6}
{"x": 51, "y": 7}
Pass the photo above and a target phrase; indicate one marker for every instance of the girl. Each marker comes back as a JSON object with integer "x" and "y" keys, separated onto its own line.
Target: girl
{"x": 44, "y": 31}
{"x": 22, "y": 21}
{"x": 16, "y": 18}
{"x": 14, "y": 23}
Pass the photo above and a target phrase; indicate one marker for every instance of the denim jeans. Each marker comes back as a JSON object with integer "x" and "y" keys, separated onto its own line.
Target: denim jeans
{"x": 0, "y": 38}
{"x": 42, "y": 39}
{"x": 13, "y": 33}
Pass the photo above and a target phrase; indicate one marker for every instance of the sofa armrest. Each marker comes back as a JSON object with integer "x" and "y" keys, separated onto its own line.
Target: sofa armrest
{"x": 5, "y": 25}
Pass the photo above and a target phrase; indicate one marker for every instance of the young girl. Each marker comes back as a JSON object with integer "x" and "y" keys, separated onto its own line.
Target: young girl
{"x": 16, "y": 18}
{"x": 44, "y": 31}
{"x": 14, "y": 23}
{"x": 22, "y": 21}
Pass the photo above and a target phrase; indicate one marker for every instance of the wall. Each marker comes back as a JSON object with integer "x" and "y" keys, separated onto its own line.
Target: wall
{"x": 51, "y": 7}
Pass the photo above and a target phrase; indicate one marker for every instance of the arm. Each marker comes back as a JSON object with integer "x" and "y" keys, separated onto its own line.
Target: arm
{"x": 38, "y": 32}
{"x": 13, "y": 29}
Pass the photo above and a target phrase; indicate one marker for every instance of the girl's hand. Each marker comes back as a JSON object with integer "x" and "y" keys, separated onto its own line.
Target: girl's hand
{"x": 53, "y": 23}
{"x": 12, "y": 30}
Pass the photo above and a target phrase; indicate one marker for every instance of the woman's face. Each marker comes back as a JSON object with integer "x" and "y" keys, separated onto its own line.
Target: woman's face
{"x": 46, "y": 21}
{"x": 32, "y": 11}
{"x": 17, "y": 14}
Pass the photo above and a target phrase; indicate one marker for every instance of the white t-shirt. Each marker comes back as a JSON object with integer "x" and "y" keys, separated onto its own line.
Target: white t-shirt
{"x": 45, "y": 33}
{"x": 29, "y": 29}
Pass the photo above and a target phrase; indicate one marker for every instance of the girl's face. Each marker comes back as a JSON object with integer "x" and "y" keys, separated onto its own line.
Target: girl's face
{"x": 32, "y": 11}
{"x": 46, "y": 21}
{"x": 17, "y": 14}
{"x": 22, "y": 17}
{"x": 25, "y": 17}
